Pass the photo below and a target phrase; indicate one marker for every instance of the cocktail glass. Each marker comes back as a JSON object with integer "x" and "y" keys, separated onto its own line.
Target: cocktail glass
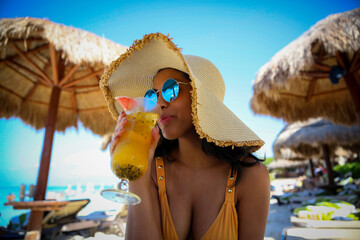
{"x": 129, "y": 160}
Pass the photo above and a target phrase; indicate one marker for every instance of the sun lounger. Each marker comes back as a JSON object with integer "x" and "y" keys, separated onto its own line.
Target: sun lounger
{"x": 117, "y": 220}
{"x": 54, "y": 220}
{"x": 321, "y": 229}
{"x": 66, "y": 220}
{"x": 7, "y": 234}
{"x": 99, "y": 221}
{"x": 309, "y": 223}
{"x": 302, "y": 199}
{"x": 64, "y": 215}
{"x": 294, "y": 233}
{"x": 90, "y": 225}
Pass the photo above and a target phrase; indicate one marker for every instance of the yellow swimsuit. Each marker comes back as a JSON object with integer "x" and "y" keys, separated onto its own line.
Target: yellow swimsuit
{"x": 225, "y": 225}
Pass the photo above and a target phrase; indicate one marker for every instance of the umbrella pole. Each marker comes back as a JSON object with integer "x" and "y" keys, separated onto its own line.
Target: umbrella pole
{"x": 354, "y": 90}
{"x": 312, "y": 170}
{"x": 36, "y": 217}
{"x": 326, "y": 152}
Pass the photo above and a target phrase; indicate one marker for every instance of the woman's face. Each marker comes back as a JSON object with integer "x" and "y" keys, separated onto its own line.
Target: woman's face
{"x": 175, "y": 120}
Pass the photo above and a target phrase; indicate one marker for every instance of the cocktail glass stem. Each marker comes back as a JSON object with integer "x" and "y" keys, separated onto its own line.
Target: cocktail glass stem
{"x": 124, "y": 184}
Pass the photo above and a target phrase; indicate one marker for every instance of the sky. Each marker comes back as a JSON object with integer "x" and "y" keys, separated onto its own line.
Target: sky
{"x": 237, "y": 36}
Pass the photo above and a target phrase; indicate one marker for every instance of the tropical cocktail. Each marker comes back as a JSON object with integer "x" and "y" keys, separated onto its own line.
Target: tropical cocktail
{"x": 130, "y": 157}
{"x": 129, "y": 160}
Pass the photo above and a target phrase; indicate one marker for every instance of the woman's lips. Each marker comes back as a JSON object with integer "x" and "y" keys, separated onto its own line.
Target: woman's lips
{"x": 164, "y": 120}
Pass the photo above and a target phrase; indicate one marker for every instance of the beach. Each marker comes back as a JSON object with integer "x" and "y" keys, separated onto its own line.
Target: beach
{"x": 279, "y": 215}
{"x": 279, "y": 218}
{"x": 59, "y": 193}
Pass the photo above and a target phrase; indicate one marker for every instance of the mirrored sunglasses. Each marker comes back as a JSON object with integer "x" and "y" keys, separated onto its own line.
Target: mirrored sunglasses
{"x": 170, "y": 91}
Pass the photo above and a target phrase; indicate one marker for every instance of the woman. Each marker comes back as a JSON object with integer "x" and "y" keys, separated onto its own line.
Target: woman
{"x": 203, "y": 182}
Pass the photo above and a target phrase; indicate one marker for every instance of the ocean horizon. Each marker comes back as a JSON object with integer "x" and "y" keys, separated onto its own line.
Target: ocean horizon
{"x": 59, "y": 193}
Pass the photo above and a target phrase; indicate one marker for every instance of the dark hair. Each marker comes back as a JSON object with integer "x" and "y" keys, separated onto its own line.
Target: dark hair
{"x": 184, "y": 73}
{"x": 232, "y": 155}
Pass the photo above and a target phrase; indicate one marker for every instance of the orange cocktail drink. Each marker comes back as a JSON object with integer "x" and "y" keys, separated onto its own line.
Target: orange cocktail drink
{"x": 130, "y": 156}
{"x": 129, "y": 160}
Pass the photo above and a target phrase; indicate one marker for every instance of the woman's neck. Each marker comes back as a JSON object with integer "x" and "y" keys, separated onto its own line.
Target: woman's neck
{"x": 190, "y": 152}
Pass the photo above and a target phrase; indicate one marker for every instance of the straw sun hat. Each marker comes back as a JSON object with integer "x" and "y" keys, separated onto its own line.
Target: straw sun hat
{"x": 133, "y": 73}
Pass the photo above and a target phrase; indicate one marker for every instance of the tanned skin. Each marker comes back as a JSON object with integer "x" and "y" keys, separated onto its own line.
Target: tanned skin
{"x": 195, "y": 182}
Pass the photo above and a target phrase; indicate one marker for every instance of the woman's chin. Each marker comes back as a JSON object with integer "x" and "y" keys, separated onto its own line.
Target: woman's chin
{"x": 176, "y": 133}
{"x": 169, "y": 136}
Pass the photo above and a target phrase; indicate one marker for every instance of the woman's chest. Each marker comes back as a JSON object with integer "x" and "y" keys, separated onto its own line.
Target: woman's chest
{"x": 195, "y": 201}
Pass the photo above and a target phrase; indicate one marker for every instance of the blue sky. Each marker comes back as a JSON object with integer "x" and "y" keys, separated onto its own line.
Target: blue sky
{"x": 237, "y": 36}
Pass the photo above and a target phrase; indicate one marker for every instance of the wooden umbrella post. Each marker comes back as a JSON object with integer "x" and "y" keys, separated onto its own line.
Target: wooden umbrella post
{"x": 36, "y": 54}
{"x": 354, "y": 89}
{"x": 350, "y": 79}
{"x": 326, "y": 152}
{"x": 36, "y": 217}
{"x": 311, "y": 164}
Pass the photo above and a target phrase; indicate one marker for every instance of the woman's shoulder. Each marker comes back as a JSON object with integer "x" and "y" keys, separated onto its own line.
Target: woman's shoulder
{"x": 254, "y": 177}
{"x": 257, "y": 170}
{"x": 153, "y": 172}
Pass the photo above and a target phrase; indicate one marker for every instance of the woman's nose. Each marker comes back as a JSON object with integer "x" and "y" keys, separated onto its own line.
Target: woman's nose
{"x": 160, "y": 100}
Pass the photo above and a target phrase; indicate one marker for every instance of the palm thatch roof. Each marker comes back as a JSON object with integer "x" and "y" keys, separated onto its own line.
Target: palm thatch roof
{"x": 77, "y": 45}
{"x": 294, "y": 85}
{"x": 284, "y": 163}
{"x": 36, "y": 56}
{"x": 307, "y": 138}
{"x": 50, "y": 77}
{"x": 284, "y": 153}
{"x": 105, "y": 141}
{"x": 286, "y": 158}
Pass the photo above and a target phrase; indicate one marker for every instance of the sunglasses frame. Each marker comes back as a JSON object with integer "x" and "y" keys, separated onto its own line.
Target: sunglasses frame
{"x": 161, "y": 90}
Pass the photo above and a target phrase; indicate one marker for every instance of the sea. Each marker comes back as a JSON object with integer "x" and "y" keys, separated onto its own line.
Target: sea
{"x": 60, "y": 193}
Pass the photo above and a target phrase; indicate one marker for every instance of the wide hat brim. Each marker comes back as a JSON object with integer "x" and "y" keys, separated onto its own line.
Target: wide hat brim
{"x": 133, "y": 73}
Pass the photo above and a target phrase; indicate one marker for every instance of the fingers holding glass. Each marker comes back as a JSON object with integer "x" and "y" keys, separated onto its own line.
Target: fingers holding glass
{"x": 119, "y": 131}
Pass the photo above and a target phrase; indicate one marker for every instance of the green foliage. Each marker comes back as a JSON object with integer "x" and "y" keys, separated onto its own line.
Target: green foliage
{"x": 322, "y": 199}
{"x": 355, "y": 201}
{"x": 268, "y": 161}
{"x": 353, "y": 216}
{"x": 321, "y": 209}
{"x": 328, "y": 204}
{"x": 22, "y": 219}
{"x": 323, "y": 193}
{"x": 327, "y": 216}
{"x": 346, "y": 203}
{"x": 297, "y": 210}
{"x": 354, "y": 168}
{"x": 272, "y": 176}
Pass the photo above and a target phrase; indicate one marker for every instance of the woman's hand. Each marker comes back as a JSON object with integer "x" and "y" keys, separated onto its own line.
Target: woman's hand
{"x": 147, "y": 213}
{"x": 155, "y": 136}
{"x": 120, "y": 129}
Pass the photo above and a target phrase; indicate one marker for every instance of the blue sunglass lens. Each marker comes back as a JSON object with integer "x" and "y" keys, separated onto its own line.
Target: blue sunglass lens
{"x": 170, "y": 90}
{"x": 151, "y": 94}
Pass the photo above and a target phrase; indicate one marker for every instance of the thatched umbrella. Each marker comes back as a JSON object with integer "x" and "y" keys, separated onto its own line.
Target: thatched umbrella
{"x": 50, "y": 79}
{"x": 318, "y": 137}
{"x": 316, "y": 75}
{"x": 105, "y": 141}
{"x": 284, "y": 163}
{"x": 282, "y": 152}
{"x": 283, "y": 148}
{"x": 286, "y": 158}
